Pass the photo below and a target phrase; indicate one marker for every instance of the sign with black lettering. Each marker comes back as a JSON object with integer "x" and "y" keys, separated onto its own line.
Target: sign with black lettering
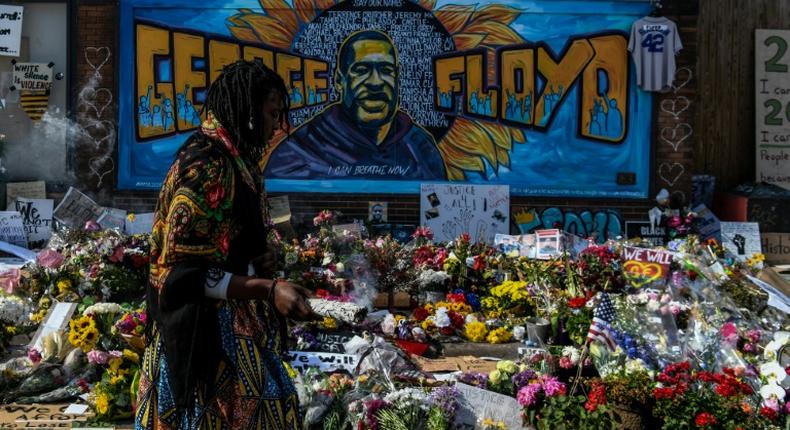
{"x": 10, "y": 30}
{"x": 37, "y": 220}
{"x": 656, "y": 236}
{"x": 772, "y": 94}
{"x": 37, "y": 415}
{"x": 324, "y": 361}
{"x": 34, "y": 77}
{"x": 332, "y": 341}
{"x": 76, "y": 209}
{"x": 776, "y": 247}
{"x": 11, "y": 228}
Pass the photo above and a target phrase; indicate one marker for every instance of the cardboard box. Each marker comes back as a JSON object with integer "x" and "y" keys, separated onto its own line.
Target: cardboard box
{"x": 776, "y": 247}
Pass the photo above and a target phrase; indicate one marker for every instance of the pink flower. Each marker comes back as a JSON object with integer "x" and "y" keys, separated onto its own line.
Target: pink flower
{"x": 552, "y": 386}
{"x": 117, "y": 255}
{"x": 528, "y": 395}
{"x": 675, "y": 309}
{"x": 50, "y": 258}
{"x": 729, "y": 333}
{"x": 9, "y": 280}
{"x": 423, "y": 232}
{"x": 34, "y": 355}
{"x": 566, "y": 363}
{"x": 99, "y": 357}
{"x": 753, "y": 335}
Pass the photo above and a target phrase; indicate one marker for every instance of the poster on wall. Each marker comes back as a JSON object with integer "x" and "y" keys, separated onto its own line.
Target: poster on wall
{"x": 493, "y": 93}
{"x": 742, "y": 239}
{"x": 34, "y": 82}
{"x": 772, "y": 80}
{"x": 451, "y": 210}
{"x": 10, "y": 29}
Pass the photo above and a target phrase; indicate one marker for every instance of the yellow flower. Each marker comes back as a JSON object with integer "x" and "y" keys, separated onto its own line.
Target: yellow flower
{"x": 329, "y": 323}
{"x": 362, "y": 379}
{"x": 426, "y": 325}
{"x": 507, "y": 366}
{"x": 115, "y": 364}
{"x": 500, "y": 335}
{"x": 102, "y": 404}
{"x": 475, "y": 331}
{"x": 429, "y": 307}
{"x": 116, "y": 379}
{"x": 130, "y": 217}
{"x": 64, "y": 285}
{"x": 495, "y": 376}
{"x": 74, "y": 339}
{"x": 10, "y": 330}
{"x": 131, "y": 355}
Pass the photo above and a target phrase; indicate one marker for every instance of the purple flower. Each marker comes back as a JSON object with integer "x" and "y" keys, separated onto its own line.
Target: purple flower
{"x": 527, "y": 396}
{"x": 473, "y": 378}
{"x": 97, "y": 357}
{"x": 446, "y": 399}
{"x": 34, "y": 355}
{"x": 522, "y": 379}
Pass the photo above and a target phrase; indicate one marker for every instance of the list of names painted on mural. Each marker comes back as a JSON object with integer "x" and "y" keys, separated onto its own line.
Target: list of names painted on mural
{"x": 772, "y": 75}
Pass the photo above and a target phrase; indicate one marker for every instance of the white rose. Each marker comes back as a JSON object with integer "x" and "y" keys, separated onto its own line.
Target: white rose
{"x": 518, "y": 333}
{"x": 441, "y": 319}
{"x": 339, "y": 267}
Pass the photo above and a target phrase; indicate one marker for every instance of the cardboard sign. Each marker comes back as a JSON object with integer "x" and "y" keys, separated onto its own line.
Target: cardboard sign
{"x": 475, "y": 404}
{"x": 549, "y": 243}
{"x": 112, "y": 218}
{"x": 279, "y": 209}
{"x": 30, "y": 190}
{"x": 642, "y": 229}
{"x": 451, "y": 210}
{"x": 325, "y": 361}
{"x": 772, "y": 125}
{"x": 141, "y": 224}
{"x": 377, "y": 212}
{"x": 57, "y": 319}
{"x": 524, "y": 245}
{"x": 708, "y": 224}
{"x": 742, "y": 239}
{"x": 37, "y": 220}
{"x": 39, "y": 415}
{"x": 445, "y": 364}
{"x": 776, "y": 247}
{"x": 10, "y": 30}
{"x": 12, "y": 229}
{"x": 644, "y": 266}
{"x": 76, "y": 209}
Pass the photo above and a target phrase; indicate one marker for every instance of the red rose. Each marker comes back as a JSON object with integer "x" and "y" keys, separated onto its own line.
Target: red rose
{"x": 448, "y": 331}
{"x": 577, "y": 302}
{"x": 704, "y": 419}
{"x": 663, "y": 393}
{"x": 769, "y": 413}
{"x": 215, "y": 195}
{"x": 420, "y": 314}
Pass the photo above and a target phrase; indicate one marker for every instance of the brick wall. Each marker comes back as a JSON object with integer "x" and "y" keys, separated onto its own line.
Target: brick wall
{"x": 97, "y": 29}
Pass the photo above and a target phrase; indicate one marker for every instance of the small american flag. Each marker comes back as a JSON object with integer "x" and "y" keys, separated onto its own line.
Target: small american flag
{"x": 601, "y": 327}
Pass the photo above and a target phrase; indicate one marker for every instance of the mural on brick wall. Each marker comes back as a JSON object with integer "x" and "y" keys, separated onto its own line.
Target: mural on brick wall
{"x": 385, "y": 94}
{"x": 601, "y": 224}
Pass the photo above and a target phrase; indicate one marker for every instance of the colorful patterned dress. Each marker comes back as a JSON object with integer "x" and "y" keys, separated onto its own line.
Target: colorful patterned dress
{"x": 211, "y": 364}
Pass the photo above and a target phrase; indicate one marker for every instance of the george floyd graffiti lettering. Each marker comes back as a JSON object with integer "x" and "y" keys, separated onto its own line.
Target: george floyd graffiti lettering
{"x": 388, "y": 93}
{"x": 602, "y": 224}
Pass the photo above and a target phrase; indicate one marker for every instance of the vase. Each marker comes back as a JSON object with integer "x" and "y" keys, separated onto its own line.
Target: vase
{"x": 538, "y": 330}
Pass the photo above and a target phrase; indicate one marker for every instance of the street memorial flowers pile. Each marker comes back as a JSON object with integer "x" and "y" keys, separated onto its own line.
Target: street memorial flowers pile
{"x": 617, "y": 334}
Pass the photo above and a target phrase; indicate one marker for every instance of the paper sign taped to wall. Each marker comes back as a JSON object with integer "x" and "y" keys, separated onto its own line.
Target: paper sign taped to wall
{"x": 30, "y": 190}
{"x": 742, "y": 239}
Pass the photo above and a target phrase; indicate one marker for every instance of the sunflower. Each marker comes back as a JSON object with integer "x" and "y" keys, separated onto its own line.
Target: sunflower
{"x": 469, "y": 143}
{"x": 102, "y": 403}
{"x": 64, "y": 286}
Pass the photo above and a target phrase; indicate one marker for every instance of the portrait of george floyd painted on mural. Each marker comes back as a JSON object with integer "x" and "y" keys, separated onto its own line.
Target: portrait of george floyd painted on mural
{"x": 386, "y": 94}
{"x": 365, "y": 134}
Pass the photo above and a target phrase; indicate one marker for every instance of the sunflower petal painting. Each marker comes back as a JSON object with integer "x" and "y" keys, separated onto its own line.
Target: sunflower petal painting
{"x": 387, "y": 94}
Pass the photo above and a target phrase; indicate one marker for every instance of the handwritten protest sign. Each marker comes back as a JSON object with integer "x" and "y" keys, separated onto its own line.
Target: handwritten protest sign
{"x": 11, "y": 228}
{"x": 475, "y": 404}
{"x": 708, "y": 224}
{"x": 643, "y": 266}
{"x": 32, "y": 77}
{"x": 36, "y": 219}
{"x": 30, "y": 190}
{"x": 331, "y": 341}
{"x": 10, "y": 30}
{"x": 776, "y": 247}
{"x": 76, "y": 209}
{"x": 41, "y": 416}
{"x": 451, "y": 210}
{"x": 325, "y": 361}
{"x": 742, "y": 239}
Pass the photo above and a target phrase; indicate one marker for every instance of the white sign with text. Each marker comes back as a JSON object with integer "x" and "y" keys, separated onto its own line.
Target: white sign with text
{"x": 451, "y": 210}
{"x": 772, "y": 106}
{"x": 10, "y": 29}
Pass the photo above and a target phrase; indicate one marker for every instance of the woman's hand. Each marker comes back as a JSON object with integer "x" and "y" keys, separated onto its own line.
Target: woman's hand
{"x": 290, "y": 300}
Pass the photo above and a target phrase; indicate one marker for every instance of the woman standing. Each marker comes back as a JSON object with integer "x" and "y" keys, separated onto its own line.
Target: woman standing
{"x": 213, "y": 361}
